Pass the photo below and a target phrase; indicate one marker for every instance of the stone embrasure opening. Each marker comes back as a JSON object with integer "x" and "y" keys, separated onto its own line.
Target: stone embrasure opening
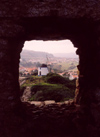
{"x": 48, "y": 72}
{"x": 74, "y": 20}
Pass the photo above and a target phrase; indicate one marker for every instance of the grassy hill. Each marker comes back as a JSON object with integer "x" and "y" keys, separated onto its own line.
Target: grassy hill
{"x": 50, "y": 87}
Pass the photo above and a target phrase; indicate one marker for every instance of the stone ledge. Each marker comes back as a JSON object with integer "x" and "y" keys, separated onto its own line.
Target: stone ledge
{"x": 50, "y": 102}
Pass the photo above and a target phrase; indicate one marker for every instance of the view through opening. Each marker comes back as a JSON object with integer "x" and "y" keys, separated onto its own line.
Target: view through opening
{"x": 48, "y": 71}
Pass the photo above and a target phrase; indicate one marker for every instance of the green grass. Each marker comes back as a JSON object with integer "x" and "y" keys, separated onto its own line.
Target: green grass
{"x": 33, "y": 80}
{"x": 50, "y": 87}
{"x": 47, "y": 91}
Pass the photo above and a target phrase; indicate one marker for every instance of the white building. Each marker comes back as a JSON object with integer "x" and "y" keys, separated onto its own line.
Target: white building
{"x": 43, "y": 70}
{"x": 73, "y": 76}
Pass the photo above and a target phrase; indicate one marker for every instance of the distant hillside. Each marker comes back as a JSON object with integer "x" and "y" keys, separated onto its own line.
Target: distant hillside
{"x": 30, "y": 59}
{"x": 29, "y": 54}
{"x": 66, "y": 55}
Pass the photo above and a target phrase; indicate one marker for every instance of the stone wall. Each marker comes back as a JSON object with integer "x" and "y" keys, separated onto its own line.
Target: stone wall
{"x": 40, "y": 8}
{"x": 23, "y": 20}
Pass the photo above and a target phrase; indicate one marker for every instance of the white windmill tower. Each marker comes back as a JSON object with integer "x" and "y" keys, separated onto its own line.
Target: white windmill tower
{"x": 43, "y": 69}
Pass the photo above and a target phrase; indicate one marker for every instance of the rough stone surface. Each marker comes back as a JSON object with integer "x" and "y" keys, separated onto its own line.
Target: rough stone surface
{"x": 26, "y": 95}
{"x": 76, "y": 20}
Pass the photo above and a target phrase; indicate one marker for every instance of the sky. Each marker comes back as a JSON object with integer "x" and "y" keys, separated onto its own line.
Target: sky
{"x": 61, "y": 46}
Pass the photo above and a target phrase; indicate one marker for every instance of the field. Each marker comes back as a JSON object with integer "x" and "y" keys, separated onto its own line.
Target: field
{"x": 68, "y": 65}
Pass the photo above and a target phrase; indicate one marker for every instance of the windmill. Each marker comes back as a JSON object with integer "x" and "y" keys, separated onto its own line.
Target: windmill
{"x": 47, "y": 62}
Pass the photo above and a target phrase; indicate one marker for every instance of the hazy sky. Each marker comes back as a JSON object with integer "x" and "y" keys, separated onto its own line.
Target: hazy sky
{"x": 62, "y": 46}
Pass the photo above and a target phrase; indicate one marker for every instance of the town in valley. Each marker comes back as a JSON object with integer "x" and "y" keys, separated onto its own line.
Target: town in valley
{"x": 31, "y": 61}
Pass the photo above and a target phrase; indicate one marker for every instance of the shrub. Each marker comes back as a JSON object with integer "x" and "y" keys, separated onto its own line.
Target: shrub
{"x": 46, "y": 91}
{"x": 57, "y": 79}
{"x": 54, "y": 78}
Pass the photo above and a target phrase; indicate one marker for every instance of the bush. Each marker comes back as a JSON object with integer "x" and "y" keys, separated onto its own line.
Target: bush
{"x": 57, "y": 79}
{"x": 31, "y": 79}
{"x": 71, "y": 84}
{"x": 46, "y": 91}
{"x": 54, "y": 78}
